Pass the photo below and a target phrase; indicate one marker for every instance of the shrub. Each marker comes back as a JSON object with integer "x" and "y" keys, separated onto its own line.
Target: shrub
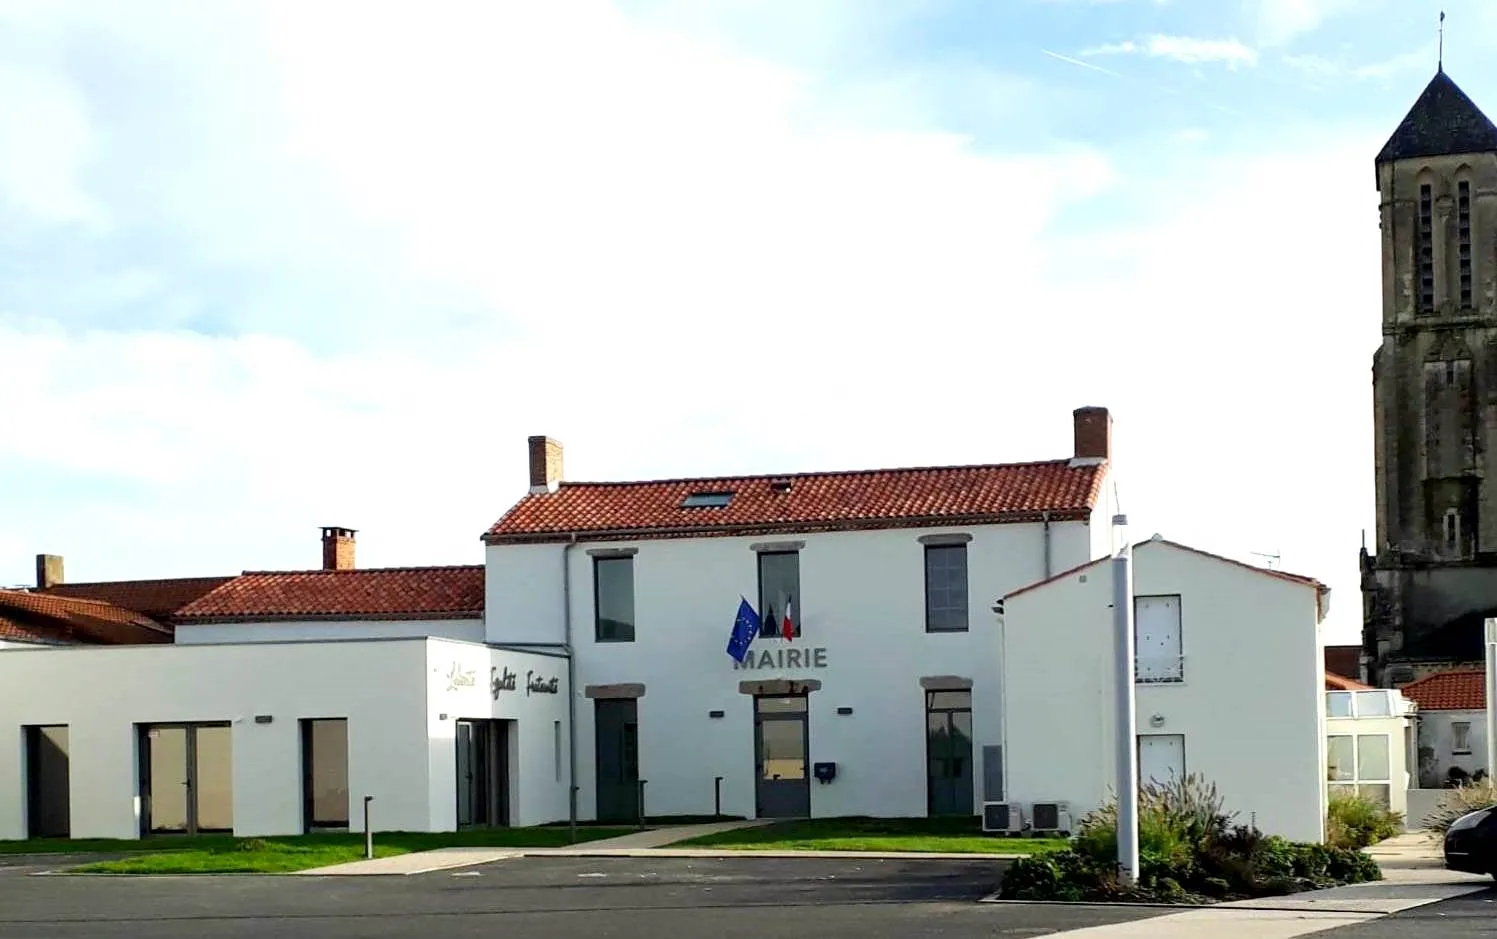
{"x": 1189, "y": 851}
{"x": 1461, "y": 800}
{"x": 1354, "y": 822}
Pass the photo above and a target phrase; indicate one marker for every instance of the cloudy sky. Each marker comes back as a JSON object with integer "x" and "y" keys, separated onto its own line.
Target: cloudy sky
{"x": 273, "y": 266}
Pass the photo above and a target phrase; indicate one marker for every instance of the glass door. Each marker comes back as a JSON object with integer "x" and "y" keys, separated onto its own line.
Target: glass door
{"x": 781, "y": 751}
{"x": 187, "y": 778}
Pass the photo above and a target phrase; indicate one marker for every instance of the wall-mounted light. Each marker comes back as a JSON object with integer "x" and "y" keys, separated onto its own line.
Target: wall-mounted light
{"x": 844, "y": 710}
{"x": 714, "y": 714}
{"x": 1156, "y": 720}
{"x": 263, "y": 718}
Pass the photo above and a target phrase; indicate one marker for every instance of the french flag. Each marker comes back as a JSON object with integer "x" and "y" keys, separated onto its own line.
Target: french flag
{"x": 787, "y": 626}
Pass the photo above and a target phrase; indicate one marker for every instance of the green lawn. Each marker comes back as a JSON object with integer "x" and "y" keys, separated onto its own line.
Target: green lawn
{"x": 223, "y": 854}
{"x": 930, "y": 835}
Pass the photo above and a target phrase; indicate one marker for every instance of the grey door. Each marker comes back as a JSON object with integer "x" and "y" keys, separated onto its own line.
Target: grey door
{"x": 482, "y": 773}
{"x": 948, "y": 747}
{"x": 781, "y": 750}
{"x": 47, "y": 786}
{"x": 616, "y": 749}
{"x": 187, "y": 778}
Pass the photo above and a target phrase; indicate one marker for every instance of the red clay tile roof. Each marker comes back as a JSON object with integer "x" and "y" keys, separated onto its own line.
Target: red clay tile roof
{"x": 68, "y": 619}
{"x": 1334, "y": 682}
{"x": 833, "y": 501}
{"x": 155, "y": 598}
{"x": 1460, "y": 690}
{"x": 1343, "y": 660}
{"x": 364, "y": 594}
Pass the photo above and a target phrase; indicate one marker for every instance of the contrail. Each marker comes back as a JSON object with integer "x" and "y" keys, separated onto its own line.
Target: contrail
{"x": 1095, "y": 68}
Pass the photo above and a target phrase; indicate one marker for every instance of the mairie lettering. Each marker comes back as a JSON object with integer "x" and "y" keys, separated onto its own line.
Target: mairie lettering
{"x": 783, "y": 658}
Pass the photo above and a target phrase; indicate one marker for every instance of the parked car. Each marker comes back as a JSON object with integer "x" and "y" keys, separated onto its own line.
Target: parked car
{"x": 1471, "y": 843}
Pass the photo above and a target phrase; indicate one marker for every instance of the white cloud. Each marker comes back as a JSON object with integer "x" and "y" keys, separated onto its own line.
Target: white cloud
{"x": 1280, "y": 22}
{"x": 677, "y": 260}
{"x": 1185, "y": 49}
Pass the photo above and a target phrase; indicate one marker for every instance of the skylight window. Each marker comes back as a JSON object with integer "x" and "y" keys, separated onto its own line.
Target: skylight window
{"x": 707, "y": 500}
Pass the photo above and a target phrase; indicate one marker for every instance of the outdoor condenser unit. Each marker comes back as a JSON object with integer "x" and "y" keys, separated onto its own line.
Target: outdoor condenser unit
{"x": 1050, "y": 818}
{"x": 1002, "y": 817}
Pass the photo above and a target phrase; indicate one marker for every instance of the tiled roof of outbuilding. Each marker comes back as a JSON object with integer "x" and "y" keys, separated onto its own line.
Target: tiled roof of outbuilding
{"x": 455, "y": 592}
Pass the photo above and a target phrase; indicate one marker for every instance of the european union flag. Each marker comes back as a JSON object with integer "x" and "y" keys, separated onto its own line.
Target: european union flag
{"x": 745, "y": 628}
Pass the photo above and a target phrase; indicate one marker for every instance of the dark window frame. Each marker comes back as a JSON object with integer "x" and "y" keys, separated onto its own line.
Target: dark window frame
{"x": 1463, "y": 242}
{"x": 768, "y": 629}
{"x": 1424, "y": 251}
{"x": 966, "y": 612}
{"x": 633, "y": 623}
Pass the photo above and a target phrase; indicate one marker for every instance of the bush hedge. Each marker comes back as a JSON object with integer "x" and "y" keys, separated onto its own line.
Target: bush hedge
{"x": 1353, "y": 822}
{"x": 1190, "y": 851}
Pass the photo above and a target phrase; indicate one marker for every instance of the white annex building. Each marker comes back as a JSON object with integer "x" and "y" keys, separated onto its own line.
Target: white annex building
{"x": 901, "y": 668}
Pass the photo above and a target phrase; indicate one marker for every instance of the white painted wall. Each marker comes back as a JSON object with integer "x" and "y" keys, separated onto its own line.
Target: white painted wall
{"x": 523, "y": 587}
{"x": 1248, "y": 707}
{"x": 863, "y": 601}
{"x": 462, "y": 630}
{"x": 1437, "y": 745}
{"x": 388, "y": 691}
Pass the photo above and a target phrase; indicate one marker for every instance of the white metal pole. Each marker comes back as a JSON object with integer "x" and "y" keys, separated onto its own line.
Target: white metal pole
{"x": 1491, "y": 690}
{"x": 1127, "y": 718}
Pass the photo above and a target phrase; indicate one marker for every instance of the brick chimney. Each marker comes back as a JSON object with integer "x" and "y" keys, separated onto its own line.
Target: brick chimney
{"x": 48, "y": 571}
{"x": 1093, "y": 433}
{"x": 545, "y": 464}
{"x": 337, "y": 549}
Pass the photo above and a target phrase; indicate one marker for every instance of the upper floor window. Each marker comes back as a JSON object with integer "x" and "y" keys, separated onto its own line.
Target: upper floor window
{"x": 945, "y": 588}
{"x": 613, "y": 598}
{"x": 1463, "y": 239}
{"x": 1461, "y": 732}
{"x": 1452, "y": 529}
{"x": 1375, "y": 703}
{"x": 779, "y": 592}
{"x": 1425, "y": 247}
{"x": 1159, "y": 653}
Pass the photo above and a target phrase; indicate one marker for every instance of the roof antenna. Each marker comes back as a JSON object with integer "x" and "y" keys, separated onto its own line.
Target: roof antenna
{"x": 1440, "y": 61}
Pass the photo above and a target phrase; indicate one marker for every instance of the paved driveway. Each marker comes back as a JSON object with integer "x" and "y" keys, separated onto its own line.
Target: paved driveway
{"x": 559, "y": 898}
{"x": 1469, "y": 916}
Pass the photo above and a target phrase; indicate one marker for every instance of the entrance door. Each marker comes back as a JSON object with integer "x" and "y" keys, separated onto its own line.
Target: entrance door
{"x": 1161, "y": 757}
{"x": 187, "y": 778}
{"x": 948, "y": 750}
{"x": 482, "y": 773}
{"x": 47, "y": 786}
{"x": 781, "y": 752}
{"x": 616, "y": 738}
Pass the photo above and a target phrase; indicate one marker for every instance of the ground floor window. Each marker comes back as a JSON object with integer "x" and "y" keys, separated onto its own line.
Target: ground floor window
{"x": 948, "y": 752}
{"x": 48, "y": 789}
{"x": 324, "y": 743}
{"x": 1360, "y": 765}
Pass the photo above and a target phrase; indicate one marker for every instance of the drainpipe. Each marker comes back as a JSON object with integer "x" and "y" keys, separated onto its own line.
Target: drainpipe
{"x": 566, "y": 604}
{"x": 1046, "y": 517}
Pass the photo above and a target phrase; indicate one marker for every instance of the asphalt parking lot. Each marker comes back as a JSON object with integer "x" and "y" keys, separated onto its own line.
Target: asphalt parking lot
{"x": 1469, "y": 916}
{"x": 556, "y": 897}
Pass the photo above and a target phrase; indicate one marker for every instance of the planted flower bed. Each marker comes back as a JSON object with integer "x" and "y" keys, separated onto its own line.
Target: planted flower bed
{"x": 1190, "y": 851}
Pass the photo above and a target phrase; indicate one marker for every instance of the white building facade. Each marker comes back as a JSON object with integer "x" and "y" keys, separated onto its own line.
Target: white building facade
{"x": 1370, "y": 744}
{"x": 277, "y": 738}
{"x": 1229, "y": 683}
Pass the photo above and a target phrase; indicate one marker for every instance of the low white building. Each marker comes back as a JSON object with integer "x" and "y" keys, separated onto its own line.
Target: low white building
{"x": 1452, "y": 731}
{"x": 1229, "y": 685}
{"x": 279, "y": 737}
{"x": 1369, "y": 742}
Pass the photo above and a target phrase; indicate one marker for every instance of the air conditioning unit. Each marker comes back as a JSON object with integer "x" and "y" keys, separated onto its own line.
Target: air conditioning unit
{"x": 1003, "y": 818}
{"x": 1050, "y": 818}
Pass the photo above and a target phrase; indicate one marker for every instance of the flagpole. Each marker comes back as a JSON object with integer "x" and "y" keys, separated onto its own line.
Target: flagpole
{"x": 1127, "y": 717}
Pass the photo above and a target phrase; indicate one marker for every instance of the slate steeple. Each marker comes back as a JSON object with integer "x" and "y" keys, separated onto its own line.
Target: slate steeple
{"x": 1442, "y": 122}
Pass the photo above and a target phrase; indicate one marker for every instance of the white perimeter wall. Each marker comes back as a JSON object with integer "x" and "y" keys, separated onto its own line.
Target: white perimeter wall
{"x": 862, "y": 600}
{"x": 463, "y": 630}
{"x": 1250, "y": 706}
{"x": 391, "y": 692}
